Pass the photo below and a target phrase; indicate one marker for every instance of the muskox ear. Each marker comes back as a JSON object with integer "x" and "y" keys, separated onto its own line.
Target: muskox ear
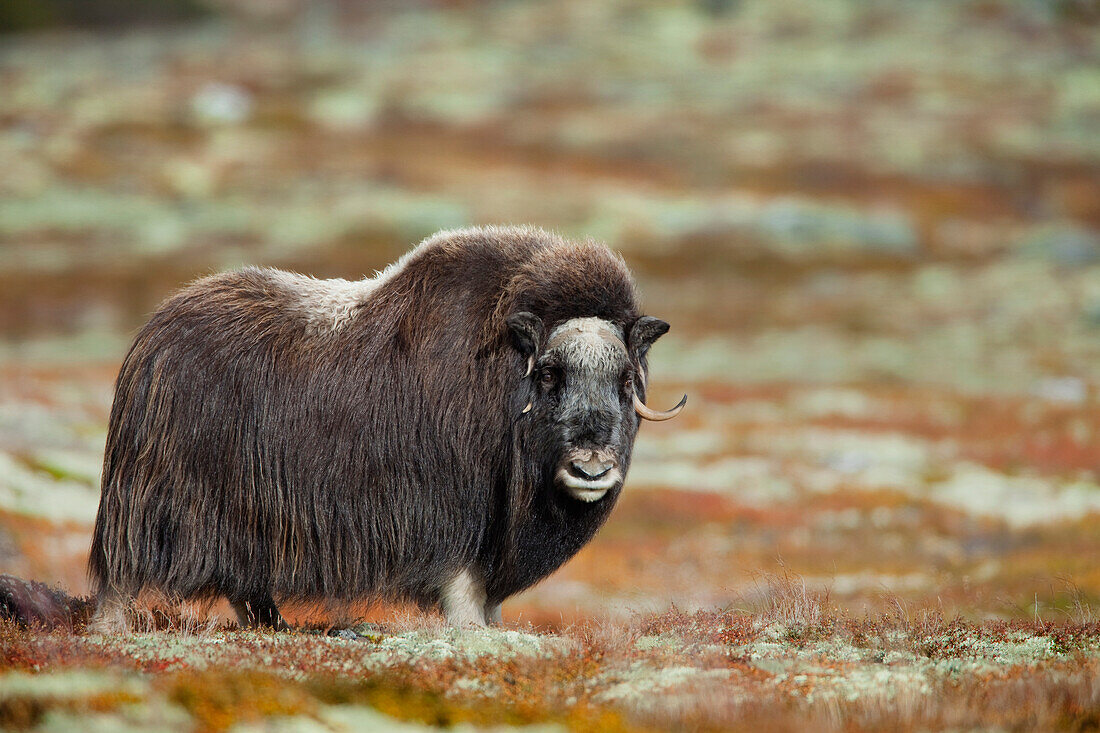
{"x": 526, "y": 330}
{"x": 643, "y": 333}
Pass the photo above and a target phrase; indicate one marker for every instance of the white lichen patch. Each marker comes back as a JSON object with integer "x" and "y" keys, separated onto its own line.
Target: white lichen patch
{"x": 899, "y": 657}
{"x": 1021, "y": 501}
{"x": 1017, "y": 648}
{"x": 466, "y": 644}
{"x": 73, "y": 465}
{"x": 873, "y": 459}
{"x": 27, "y": 491}
{"x": 765, "y": 649}
{"x": 1031, "y": 650}
{"x": 363, "y": 719}
{"x": 194, "y": 651}
{"x": 69, "y": 684}
{"x": 472, "y": 684}
{"x": 776, "y": 644}
{"x": 335, "y": 717}
{"x": 828, "y": 402}
{"x": 644, "y": 685}
{"x": 658, "y": 641}
{"x": 849, "y": 583}
{"x": 754, "y": 480}
{"x": 836, "y": 669}
{"x": 697, "y": 443}
{"x": 834, "y": 650}
{"x": 873, "y": 681}
{"x": 155, "y": 715}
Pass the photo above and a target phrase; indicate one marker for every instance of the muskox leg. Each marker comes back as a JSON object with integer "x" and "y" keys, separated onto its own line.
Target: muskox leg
{"x": 110, "y": 613}
{"x": 463, "y": 600}
{"x": 260, "y": 611}
{"x": 493, "y": 616}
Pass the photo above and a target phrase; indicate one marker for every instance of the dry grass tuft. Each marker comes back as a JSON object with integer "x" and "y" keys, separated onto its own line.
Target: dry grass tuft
{"x": 784, "y": 598}
{"x": 156, "y": 612}
{"x": 726, "y": 627}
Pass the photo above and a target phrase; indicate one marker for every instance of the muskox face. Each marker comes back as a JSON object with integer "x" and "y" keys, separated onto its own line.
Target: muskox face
{"x": 585, "y": 383}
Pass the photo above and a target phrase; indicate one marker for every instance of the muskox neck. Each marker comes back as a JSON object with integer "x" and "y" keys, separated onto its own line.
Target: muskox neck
{"x": 555, "y": 529}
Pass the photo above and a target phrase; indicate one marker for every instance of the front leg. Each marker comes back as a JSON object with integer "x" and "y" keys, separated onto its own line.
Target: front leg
{"x": 493, "y": 616}
{"x": 260, "y": 611}
{"x": 463, "y": 600}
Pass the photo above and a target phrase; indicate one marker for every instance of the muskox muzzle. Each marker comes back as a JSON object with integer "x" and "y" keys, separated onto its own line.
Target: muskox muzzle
{"x": 587, "y": 474}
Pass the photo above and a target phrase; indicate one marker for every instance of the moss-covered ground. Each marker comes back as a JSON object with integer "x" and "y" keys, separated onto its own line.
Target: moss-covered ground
{"x": 790, "y": 659}
{"x": 873, "y": 226}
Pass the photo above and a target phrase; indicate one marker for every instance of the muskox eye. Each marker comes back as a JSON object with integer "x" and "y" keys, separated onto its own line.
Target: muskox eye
{"x": 628, "y": 383}
{"x": 548, "y": 378}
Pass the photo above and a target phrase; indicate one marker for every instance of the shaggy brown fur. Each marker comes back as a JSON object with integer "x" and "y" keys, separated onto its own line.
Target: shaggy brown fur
{"x": 255, "y": 453}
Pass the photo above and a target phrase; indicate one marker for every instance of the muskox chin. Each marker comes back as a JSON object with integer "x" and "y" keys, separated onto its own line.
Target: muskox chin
{"x": 448, "y": 432}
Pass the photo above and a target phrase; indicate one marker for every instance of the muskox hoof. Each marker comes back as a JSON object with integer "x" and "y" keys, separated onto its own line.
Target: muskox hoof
{"x": 260, "y": 613}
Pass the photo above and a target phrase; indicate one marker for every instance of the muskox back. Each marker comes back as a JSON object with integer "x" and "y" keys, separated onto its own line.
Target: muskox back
{"x": 275, "y": 437}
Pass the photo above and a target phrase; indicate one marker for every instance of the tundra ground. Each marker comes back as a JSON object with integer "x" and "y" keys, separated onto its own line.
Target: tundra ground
{"x": 791, "y": 661}
{"x": 874, "y": 228}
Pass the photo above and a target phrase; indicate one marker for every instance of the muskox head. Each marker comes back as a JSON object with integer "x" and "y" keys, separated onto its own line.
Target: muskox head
{"x": 585, "y": 388}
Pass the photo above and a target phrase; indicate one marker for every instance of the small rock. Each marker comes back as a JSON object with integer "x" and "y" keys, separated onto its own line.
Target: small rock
{"x": 345, "y": 634}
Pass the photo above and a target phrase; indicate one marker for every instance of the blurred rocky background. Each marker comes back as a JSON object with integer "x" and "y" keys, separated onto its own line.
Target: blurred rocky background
{"x": 874, "y": 227}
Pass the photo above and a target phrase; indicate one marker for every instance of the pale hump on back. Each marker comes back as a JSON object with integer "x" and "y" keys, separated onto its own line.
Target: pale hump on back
{"x": 328, "y": 305}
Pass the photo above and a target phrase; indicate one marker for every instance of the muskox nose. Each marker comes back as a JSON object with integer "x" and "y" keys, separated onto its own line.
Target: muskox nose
{"x": 591, "y": 469}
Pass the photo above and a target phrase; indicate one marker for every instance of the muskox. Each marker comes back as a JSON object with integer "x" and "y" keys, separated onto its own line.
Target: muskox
{"x": 447, "y": 432}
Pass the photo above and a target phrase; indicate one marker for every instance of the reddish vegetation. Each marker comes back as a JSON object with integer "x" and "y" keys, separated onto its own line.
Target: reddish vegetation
{"x": 882, "y": 416}
{"x": 253, "y": 677}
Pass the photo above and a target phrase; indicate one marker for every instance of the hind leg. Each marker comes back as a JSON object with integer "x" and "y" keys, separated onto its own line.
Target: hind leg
{"x": 110, "y": 613}
{"x": 260, "y": 611}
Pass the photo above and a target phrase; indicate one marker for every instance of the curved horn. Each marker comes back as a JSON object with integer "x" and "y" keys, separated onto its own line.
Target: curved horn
{"x": 530, "y": 366}
{"x": 656, "y": 415}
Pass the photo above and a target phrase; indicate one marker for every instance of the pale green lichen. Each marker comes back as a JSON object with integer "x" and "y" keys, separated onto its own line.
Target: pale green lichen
{"x": 69, "y": 684}
{"x": 329, "y": 718}
{"x": 152, "y": 715}
{"x": 643, "y": 685}
{"x": 38, "y": 493}
{"x": 658, "y": 641}
{"x": 465, "y": 644}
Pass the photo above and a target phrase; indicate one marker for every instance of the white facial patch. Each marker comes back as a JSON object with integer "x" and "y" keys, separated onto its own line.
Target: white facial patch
{"x": 592, "y": 347}
{"x": 589, "y": 344}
